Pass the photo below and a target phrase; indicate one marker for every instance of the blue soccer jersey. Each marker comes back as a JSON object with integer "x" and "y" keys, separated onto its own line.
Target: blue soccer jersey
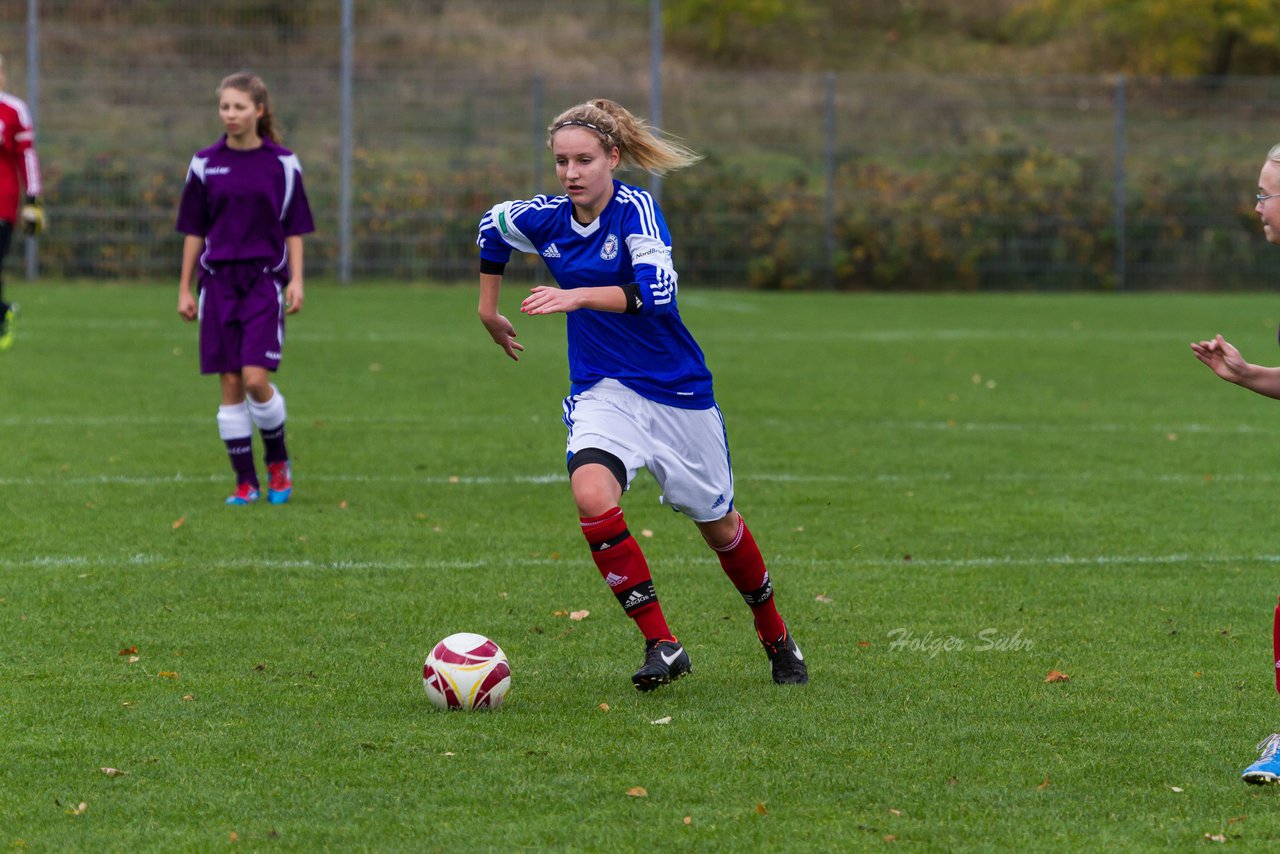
{"x": 650, "y": 352}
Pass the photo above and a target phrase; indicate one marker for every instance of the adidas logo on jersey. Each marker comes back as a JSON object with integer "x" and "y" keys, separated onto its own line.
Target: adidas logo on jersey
{"x": 551, "y": 252}
{"x": 613, "y": 579}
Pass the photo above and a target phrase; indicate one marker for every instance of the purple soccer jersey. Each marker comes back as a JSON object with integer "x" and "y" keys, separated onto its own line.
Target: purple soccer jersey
{"x": 244, "y": 204}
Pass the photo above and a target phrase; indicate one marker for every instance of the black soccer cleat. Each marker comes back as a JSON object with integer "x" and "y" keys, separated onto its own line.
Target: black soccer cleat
{"x": 787, "y": 659}
{"x": 664, "y": 661}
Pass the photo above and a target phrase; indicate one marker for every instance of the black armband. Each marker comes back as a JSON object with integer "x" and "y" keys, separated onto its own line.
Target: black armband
{"x": 492, "y": 268}
{"x": 635, "y": 303}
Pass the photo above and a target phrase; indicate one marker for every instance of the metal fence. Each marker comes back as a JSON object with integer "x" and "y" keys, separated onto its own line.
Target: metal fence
{"x": 846, "y": 180}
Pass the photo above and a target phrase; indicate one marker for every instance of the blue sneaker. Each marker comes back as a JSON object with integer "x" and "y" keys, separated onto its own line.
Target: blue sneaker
{"x": 246, "y": 493}
{"x": 280, "y": 483}
{"x": 1267, "y": 768}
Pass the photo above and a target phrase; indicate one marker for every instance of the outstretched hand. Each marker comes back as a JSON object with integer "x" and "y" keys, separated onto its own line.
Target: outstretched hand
{"x": 1222, "y": 358}
{"x": 503, "y": 334}
{"x": 547, "y": 300}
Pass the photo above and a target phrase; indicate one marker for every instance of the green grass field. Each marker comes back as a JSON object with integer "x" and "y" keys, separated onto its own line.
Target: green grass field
{"x": 956, "y": 496}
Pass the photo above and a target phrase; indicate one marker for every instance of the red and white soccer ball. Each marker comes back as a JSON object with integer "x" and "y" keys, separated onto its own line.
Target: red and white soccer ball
{"x": 466, "y": 671}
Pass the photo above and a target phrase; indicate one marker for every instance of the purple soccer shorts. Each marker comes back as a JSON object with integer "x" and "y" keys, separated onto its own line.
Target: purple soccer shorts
{"x": 241, "y": 318}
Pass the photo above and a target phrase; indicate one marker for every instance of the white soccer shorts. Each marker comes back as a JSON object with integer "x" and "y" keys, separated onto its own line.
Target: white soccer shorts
{"x": 686, "y": 450}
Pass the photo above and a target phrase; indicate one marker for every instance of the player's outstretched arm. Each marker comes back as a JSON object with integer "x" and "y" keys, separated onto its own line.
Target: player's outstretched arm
{"x": 1225, "y": 360}
{"x": 548, "y": 300}
{"x": 500, "y": 329}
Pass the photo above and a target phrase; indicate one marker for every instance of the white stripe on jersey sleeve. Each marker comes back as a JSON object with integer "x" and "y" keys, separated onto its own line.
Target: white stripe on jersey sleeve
{"x": 197, "y": 168}
{"x": 292, "y": 168}
{"x": 33, "y": 172}
{"x": 648, "y": 247}
{"x": 502, "y": 217}
{"x": 645, "y": 249}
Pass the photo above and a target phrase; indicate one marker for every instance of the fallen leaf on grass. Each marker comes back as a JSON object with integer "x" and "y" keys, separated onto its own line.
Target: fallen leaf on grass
{"x": 1177, "y": 789}
{"x": 760, "y": 808}
{"x": 864, "y": 643}
{"x": 1216, "y": 837}
{"x": 637, "y": 792}
{"x": 179, "y": 522}
{"x": 113, "y": 772}
{"x": 560, "y": 612}
{"x": 188, "y": 697}
{"x": 1057, "y": 676}
{"x": 646, "y": 533}
{"x": 167, "y": 674}
{"x": 78, "y": 809}
{"x": 688, "y": 819}
{"x": 1043, "y": 785}
{"x": 342, "y": 505}
{"x": 579, "y": 615}
{"x": 128, "y": 650}
{"x": 1236, "y": 819}
{"x": 895, "y": 812}
{"x": 823, "y": 598}
{"x": 604, "y": 707}
{"x": 234, "y": 837}
{"x": 134, "y": 659}
{"x": 889, "y": 837}
{"x": 662, "y": 721}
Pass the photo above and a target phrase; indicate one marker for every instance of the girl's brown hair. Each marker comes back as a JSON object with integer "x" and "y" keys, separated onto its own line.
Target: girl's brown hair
{"x": 252, "y": 85}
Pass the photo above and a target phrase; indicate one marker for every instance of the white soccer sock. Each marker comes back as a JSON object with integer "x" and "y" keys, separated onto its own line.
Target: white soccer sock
{"x": 268, "y": 415}
{"x": 234, "y": 422}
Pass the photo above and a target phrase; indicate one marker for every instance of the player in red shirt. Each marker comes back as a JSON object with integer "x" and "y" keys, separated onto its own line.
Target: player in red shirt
{"x": 19, "y": 171}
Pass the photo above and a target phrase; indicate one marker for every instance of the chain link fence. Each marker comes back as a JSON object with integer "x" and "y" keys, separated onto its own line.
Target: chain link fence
{"x": 839, "y": 180}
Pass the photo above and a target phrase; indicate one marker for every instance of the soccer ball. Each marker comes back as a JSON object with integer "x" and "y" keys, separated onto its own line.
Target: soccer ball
{"x": 466, "y": 671}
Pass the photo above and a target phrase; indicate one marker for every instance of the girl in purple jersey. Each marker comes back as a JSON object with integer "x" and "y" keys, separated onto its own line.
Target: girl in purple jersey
{"x": 244, "y": 211}
{"x": 619, "y": 417}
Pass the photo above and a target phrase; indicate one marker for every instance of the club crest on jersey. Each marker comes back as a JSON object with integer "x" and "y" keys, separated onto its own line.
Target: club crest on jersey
{"x": 610, "y": 249}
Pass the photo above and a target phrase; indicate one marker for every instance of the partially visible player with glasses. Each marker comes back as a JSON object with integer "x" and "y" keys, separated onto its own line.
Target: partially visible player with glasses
{"x": 1225, "y": 361}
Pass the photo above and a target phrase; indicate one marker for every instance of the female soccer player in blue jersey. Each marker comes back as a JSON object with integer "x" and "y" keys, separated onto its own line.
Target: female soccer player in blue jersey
{"x": 244, "y": 211}
{"x": 1225, "y": 361}
{"x": 640, "y": 392}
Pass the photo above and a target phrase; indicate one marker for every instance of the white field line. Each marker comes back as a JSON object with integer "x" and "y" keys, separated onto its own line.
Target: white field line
{"x": 172, "y": 330}
{"x": 851, "y": 426}
{"x": 89, "y": 563}
{"x": 557, "y": 479}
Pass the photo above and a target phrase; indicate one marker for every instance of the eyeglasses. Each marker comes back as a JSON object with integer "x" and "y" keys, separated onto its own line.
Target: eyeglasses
{"x": 1262, "y": 198}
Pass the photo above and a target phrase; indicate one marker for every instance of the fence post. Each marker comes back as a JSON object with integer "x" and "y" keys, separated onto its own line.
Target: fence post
{"x": 830, "y": 260}
{"x": 344, "y": 153}
{"x": 1120, "y": 180}
{"x": 539, "y": 150}
{"x": 33, "y": 102}
{"x": 655, "y": 82}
